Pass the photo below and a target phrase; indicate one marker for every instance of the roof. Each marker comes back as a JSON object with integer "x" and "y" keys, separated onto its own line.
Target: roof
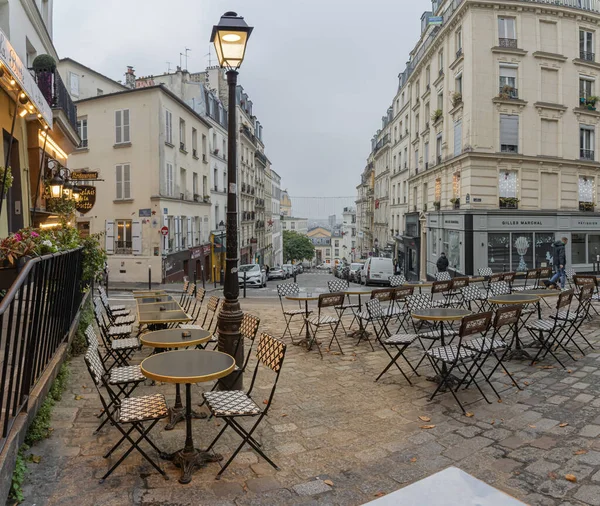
{"x": 160, "y": 87}
{"x": 93, "y": 72}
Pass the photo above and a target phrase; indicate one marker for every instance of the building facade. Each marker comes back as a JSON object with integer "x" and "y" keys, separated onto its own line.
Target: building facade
{"x": 275, "y": 221}
{"x": 299, "y": 225}
{"x": 37, "y": 117}
{"x": 365, "y": 203}
{"x": 321, "y": 239}
{"x": 286, "y": 203}
{"x": 349, "y": 235}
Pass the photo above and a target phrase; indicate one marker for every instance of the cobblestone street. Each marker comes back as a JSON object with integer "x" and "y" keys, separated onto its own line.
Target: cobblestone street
{"x": 340, "y": 438}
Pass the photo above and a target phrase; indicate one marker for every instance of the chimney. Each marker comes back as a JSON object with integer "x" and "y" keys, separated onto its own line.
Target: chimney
{"x": 130, "y": 77}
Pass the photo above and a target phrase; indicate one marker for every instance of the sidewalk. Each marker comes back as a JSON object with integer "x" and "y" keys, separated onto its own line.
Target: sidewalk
{"x": 169, "y": 287}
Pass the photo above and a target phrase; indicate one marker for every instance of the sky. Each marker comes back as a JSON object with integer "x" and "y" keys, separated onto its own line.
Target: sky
{"x": 320, "y": 73}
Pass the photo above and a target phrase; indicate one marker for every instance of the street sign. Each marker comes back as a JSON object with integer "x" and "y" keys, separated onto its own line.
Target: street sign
{"x": 435, "y": 20}
{"x": 87, "y": 199}
{"x": 164, "y": 231}
{"x": 84, "y": 175}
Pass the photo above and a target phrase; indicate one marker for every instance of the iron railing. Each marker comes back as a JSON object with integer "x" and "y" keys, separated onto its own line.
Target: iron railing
{"x": 35, "y": 317}
{"x": 511, "y": 43}
{"x": 586, "y": 55}
{"x": 56, "y": 94}
{"x": 586, "y": 154}
{"x": 509, "y": 148}
{"x": 508, "y": 92}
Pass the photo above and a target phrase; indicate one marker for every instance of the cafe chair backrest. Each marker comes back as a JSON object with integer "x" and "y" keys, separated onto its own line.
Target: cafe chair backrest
{"x": 458, "y": 283}
{"x": 564, "y": 299}
{"x": 475, "y": 324}
{"x": 507, "y": 315}
{"x": 331, "y": 299}
{"x": 383, "y": 294}
{"x": 441, "y": 286}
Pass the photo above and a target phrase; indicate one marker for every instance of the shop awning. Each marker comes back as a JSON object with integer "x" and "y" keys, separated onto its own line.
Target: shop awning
{"x": 220, "y": 242}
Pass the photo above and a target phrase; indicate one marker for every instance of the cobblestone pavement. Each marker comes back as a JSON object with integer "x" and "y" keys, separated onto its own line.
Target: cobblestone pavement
{"x": 341, "y": 438}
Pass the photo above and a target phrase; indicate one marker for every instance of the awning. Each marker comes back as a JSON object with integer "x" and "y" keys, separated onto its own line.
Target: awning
{"x": 220, "y": 243}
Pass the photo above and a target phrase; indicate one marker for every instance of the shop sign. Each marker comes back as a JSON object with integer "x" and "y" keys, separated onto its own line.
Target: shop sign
{"x": 206, "y": 249}
{"x": 585, "y": 223}
{"x": 87, "y": 199}
{"x": 20, "y": 73}
{"x": 523, "y": 223}
{"x": 196, "y": 252}
{"x": 84, "y": 175}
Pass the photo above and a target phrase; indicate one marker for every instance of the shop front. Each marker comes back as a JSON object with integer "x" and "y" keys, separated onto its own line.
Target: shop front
{"x": 176, "y": 266}
{"x": 511, "y": 241}
{"x": 245, "y": 255}
{"x": 411, "y": 245}
{"x": 199, "y": 267}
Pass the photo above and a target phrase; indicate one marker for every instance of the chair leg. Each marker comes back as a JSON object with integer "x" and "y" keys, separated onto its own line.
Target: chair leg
{"x": 334, "y": 335}
{"x": 394, "y": 362}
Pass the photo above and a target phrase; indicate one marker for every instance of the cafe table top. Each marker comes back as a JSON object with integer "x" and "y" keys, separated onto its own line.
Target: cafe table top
{"x": 158, "y": 317}
{"x": 187, "y": 366}
{"x": 147, "y": 293}
{"x": 157, "y": 298}
{"x": 156, "y": 306}
{"x": 419, "y": 283}
{"x": 542, "y": 292}
{"x": 303, "y": 296}
{"x": 359, "y": 291}
{"x": 175, "y": 338}
{"x": 440, "y": 314}
{"x": 514, "y": 298}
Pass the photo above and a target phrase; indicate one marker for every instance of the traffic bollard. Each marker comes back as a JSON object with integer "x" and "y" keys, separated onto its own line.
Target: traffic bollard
{"x": 294, "y": 276}
{"x": 149, "y": 277}
{"x": 195, "y": 286}
{"x": 215, "y": 276}
{"x": 244, "y": 284}
{"x": 202, "y": 274}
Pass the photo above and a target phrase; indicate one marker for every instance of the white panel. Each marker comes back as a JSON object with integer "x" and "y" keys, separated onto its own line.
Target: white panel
{"x": 110, "y": 237}
{"x": 136, "y": 237}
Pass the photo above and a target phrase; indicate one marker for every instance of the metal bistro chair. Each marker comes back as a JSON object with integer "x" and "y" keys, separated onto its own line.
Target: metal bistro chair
{"x": 472, "y": 295}
{"x": 189, "y": 297}
{"x": 117, "y": 340}
{"x": 184, "y": 293}
{"x": 315, "y": 323}
{"x": 454, "y": 296}
{"x": 445, "y": 359}
{"x": 532, "y": 277}
{"x": 575, "y": 319}
{"x": 579, "y": 281}
{"x": 211, "y": 310}
{"x": 342, "y": 285}
{"x": 443, "y": 287}
{"x": 283, "y": 290}
{"x": 570, "y": 274}
{"x": 495, "y": 277}
{"x": 230, "y": 405}
{"x": 139, "y": 413}
{"x": 442, "y": 276}
{"x": 548, "y": 332}
{"x": 117, "y": 309}
{"x": 485, "y": 271}
{"x": 195, "y": 311}
{"x": 399, "y": 341}
{"x": 365, "y": 317}
{"x": 116, "y": 317}
{"x": 509, "y": 277}
{"x": 402, "y": 313}
{"x": 397, "y": 280}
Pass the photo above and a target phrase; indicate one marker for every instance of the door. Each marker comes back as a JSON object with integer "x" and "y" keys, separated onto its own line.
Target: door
{"x": 549, "y": 191}
{"x": 14, "y": 197}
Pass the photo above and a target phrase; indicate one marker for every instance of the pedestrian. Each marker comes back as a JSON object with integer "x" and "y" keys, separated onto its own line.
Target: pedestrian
{"x": 267, "y": 269}
{"x": 442, "y": 262}
{"x": 559, "y": 261}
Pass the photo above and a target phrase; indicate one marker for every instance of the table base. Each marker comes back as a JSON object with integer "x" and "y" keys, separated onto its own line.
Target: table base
{"x": 189, "y": 461}
{"x": 518, "y": 353}
{"x": 177, "y": 414}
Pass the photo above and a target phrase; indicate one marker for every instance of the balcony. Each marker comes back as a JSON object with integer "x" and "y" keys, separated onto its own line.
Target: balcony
{"x": 56, "y": 94}
{"x": 459, "y": 53}
{"x": 123, "y": 248}
{"x": 587, "y": 56}
{"x": 508, "y": 92}
{"x": 508, "y": 203}
{"x": 508, "y": 43}
{"x": 586, "y": 154}
{"x": 246, "y": 131}
{"x": 509, "y": 148}
{"x": 586, "y": 206}
{"x": 455, "y": 202}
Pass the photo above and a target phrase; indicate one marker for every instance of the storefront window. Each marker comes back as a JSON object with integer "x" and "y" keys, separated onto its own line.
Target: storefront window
{"x": 543, "y": 249}
{"x": 593, "y": 248}
{"x": 507, "y": 184}
{"x": 452, "y": 248}
{"x": 586, "y": 189}
{"x": 434, "y": 241}
{"x": 499, "y": 252}
{"x": 522, "y": 252}
{"x": 578, "y": 249}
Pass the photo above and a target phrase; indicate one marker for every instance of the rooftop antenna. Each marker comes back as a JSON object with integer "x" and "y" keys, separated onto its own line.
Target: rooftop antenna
{"x": 186, "y": 57}
{"x": 180, "y": 55}
{"x": 168, "y": 67}
{"x": 209, "y": 54}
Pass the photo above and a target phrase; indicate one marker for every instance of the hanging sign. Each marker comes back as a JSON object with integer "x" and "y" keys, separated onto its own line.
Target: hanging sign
{"x": 87, "y": 199}
{"x": 164, "y": 231}
{"x": 84, "y": 175}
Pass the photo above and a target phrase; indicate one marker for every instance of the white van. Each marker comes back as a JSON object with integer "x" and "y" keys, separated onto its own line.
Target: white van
{"x": 377, "y": 271}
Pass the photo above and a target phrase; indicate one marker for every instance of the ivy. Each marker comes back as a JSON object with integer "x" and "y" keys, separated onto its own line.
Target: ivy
{"x": 18, "y": 477}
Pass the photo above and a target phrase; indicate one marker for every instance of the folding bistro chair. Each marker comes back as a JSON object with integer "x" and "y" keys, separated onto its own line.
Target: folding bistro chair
{"x": 342, "y": 285}
{"x": 446, "y": 359}
{"x": 211, "y": 311}
{"x": 532, "y": 277}
{"x": 579, "y": 281}
{"x": 473, "y": 296}
{"x": 116, "y": 317}
{"x": 570, "y": 274}
{"x": 543, "y": 274}
{"x": 283, "y": 290}
{"x": 454, "y": 296}
{"x": 195, "y": 311}
{"x": 548, "y": 332}
{"x": 443, "y": 287}
{"x": 387, "y": 340}
{"x": 117, "y": 309}
{"x": 494, "y": 278}
{"x": 188, "y": 297}
{"x": 575, "y": 319}
{"x": 233, "y": 404}
{"x": 315, "y": 323}
{"x": 485, "y": 271}
{"x": 397, "y": 280}
{"x": 401, "y": 312}
{"x": 184, "y": 293}
{"x": 509, "y": 277}
{"x": 442, "y": 276}
{"x": 117, "y": 340}
{"x": 139, "y": 414}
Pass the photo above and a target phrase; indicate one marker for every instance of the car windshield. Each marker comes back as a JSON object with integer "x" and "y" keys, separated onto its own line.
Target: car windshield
{"x": 248, "y": 268}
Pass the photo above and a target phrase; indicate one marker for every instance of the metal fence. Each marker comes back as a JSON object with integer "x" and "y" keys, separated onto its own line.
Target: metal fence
{"x": 35, "y": 317}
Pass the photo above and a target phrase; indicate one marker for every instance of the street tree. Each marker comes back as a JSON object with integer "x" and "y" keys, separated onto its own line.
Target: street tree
{"x": 297, "y": 247}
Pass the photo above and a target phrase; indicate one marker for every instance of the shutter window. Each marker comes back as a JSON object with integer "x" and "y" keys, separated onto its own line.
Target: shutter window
{"x": 110, "y": 237}
{"x": 119, "y": 178}
{"x": 166, "y": 237}
{"x": 458, "y": 137}
{"x": 136, "y": 237}
{"x": 126, "y": 137}
{"x": 509, "y": 133}
{"x": 126, "y": 181}
{"x": 118, "y": 127}
{"x": 169, "y": 126}
{"x": 190, "y": 232}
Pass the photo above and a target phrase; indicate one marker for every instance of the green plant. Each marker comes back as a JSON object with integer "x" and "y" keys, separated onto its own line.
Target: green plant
{"x": 591, "y": 100}
{"x": 79, "y": 343}
{"x": 44, "y": 63}
{"x": 456, "y": 98}
{"x": 18, "y": 477}
{"x": 9, "y": 178}
{"x": 437, "y": 204}
{"x": 437, "y": 114}
{"x": 63, "y": 206}
{"x": 94, "y": 257}
{"x": 506, "y": 91}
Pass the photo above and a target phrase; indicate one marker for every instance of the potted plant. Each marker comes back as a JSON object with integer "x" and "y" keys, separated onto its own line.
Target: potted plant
{"x": 6, "y": 172}
{"x": 437, "y": 114}
{"x": 424, "y": 208}
{"x": 586, "y": 206}
{"x": 437, "y": 205}
{"x": 15, "y": 250}
{"x": 506, "y": 92}
{"x": 456, "y": 98}
{"x": 455, "y": 201}
{"x": 590, "y": 103}
{"x": 44, "y": 66}
{"x": 509, "y": 202}
{"x": 206, "y": 198}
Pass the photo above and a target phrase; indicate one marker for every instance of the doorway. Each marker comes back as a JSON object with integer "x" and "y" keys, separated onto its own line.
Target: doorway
{"x": 14, "y": 197}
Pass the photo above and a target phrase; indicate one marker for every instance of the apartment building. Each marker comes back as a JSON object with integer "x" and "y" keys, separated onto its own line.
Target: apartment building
{"x": 498, "y": 104}
{"x": 349, "y": 239}
{"x": 293, "y": 224}
{"x": 153, "y": 197}
{"x": 365, "y": 204}
{"x": 382, "y": 240}
{"x": 322, "y": 241}
{"x": 274, "y": 220}
{"x": 37, "y": 116}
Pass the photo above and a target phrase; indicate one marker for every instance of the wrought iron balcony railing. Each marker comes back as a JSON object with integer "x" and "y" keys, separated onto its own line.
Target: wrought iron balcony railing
{"x": 56, "y": 94}
{"x": 586, "y": 55}
{"x": 586, "y": 154}
{"x": 510, "y": 43}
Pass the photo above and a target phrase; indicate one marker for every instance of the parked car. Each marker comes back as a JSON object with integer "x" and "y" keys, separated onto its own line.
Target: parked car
{"x": 324, "y": 267}
{"x": 354, "y": 273}
{"x": 377, "y": 270}
{"x": 289, "y": 269}
{"x": 255, "y": 276}
{"x": 277, "y": 273}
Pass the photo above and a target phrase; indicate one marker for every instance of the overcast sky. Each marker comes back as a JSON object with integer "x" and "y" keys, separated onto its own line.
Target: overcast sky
{"x": 320, "y": 73}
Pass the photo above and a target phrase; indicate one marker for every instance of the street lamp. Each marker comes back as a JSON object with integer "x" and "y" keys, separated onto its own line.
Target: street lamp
{"x": 221, "y": 228}
{"x": 56, "y": 186}
{"x": 230, "y": 37}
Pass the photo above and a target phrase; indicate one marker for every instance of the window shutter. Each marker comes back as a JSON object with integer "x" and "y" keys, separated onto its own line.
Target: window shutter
{"x": 509, "y": 130}
{"x": 118, "y": 127}
{"x": 119, "y": 182}
{"x": 136, "y": 237}
{"x": 190, "y": 232}
{"x": 506, "y": 71}
{"x": 178, "y": 232}
{"x": 166, "y": 237}
{"x": 126, "y": 137}
{"x": 110, "y": 237}
{"x": 458, "y": 137}
{"x": 126, "y": 181}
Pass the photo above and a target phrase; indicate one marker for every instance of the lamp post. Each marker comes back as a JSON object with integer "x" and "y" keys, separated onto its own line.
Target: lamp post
{"x": 230, "y": 37}
{"x": 221, "y": 228}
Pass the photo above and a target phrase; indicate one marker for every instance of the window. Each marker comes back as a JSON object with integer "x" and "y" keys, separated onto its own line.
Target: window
{"x": 204, "y": 148}
{"x": 195, "y": 142}
{"x": 417, "y": 125}
{"x": 586, "y": 45}
{"x": 543, "y": 249}
{"x": 99, "y": 92}
{"x": 458, "y": 83}
{"x": 441, "y": 61}
{"x": 417, "y": 90}
{"x": 417, "y": 159}
{"x": 74, "y": 84}
{"x": 438, "y": 149}
{"x": 438, "y": 190}
{"x": 215, "y": 179}
{"x": 456, "y": 185}
{"x": 440, "y": 100}
{"x": 427, "y": 77}
{"x": 509, "y": 133}
{"x": 507, "y": 35}
{"x": 337, "y": 243}
{"x": 457, "y": 137}
{"x": 586, "y": 142}
{"x": 507, "y": 184}
{"x": 82, "y": 130}
{"x": 593, "y": 248}
{"x": 586, "y": 88}
{"x": 170, "y": 180}
{"x": 498, "y": 252}
{"x": 169, "y": 127}
{"x": 458, "y": 42}
{"x": 195, "y": 184}
{"x": 225, "y": 181}
{"x": 181, "y": 134}
{"x": 426, "y": 155}
{"x": 434, "y": 241}
{"x": 293, "y": 225}
{"x": 122, "y": 126}
{"x": 123, "y": 243}
{"x": 204, "y": 185}
{"x": 337, "y": 252}
{"x": 123, "y": 181}
{"x": 452, "y": 248}
{"x": 182, "y": 182}
{"x": 586, "y": 191}
{"x": 578, "y": 248}
{"x": 508, "y": 81}
{"x": 327, "y": 252}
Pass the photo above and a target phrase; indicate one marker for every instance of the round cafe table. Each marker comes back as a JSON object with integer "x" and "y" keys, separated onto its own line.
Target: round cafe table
{"x": 188, "y": 366}
{"x": 519, "y": 298}
{"x": 441, "y": 314}
{"x": 304, "y": 296}
{"x": 362, "y": 331}
{"x": 420, "y": 284}
{"x": 166, "y": 339}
